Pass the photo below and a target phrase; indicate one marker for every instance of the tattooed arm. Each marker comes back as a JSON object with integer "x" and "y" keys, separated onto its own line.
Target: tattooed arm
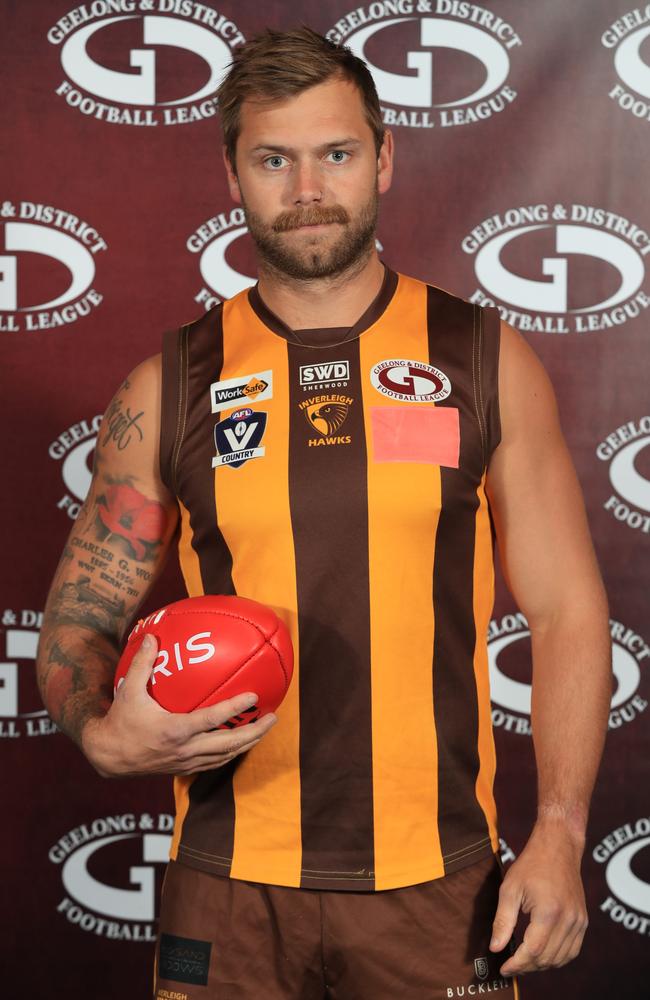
{"x": 115, "y": 551}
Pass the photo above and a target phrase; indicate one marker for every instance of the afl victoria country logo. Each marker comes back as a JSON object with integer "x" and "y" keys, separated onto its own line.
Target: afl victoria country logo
{"x": 47, "y": 267}
{"x": 119, "y": 905}
{"x": 628, "y": 38}
{"x": 627, "y": 450}
{"x": 625, "y": 854}
{"x": 509, "y": 660}
{"x": 593, "y": 261}
{"x": 434, "y": 62}
{"x": 73, "y": 448}
{"x": 21, "y": 708}
{"x": 177, "y": 52}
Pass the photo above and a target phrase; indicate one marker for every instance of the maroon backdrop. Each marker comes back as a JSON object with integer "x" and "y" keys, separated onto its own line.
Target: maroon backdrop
{"x": 522, "y": 132}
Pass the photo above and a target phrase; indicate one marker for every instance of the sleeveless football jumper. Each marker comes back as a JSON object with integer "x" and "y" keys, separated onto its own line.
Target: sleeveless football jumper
{"x": 343, "y": 484}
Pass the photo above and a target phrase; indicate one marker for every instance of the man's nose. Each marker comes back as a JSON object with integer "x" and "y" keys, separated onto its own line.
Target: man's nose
{"x": 307, "y": 183}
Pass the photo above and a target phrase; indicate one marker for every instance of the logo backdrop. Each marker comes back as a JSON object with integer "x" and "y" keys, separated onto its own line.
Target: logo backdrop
{"x": 522, "y": 133}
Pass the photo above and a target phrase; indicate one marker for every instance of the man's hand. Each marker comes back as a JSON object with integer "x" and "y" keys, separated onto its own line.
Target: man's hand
{"x": 545, "y": 882}
{"x": 137, "y": 736}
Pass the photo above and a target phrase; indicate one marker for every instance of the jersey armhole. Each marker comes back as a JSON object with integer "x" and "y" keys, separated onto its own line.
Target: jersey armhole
{"x": 173, "y": 404}
{"x": 489, "y": 336}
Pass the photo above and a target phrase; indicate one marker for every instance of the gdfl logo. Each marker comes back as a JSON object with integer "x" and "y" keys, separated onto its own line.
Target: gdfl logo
{"x": 132, "y": 845}
{"x": 425, "y": 98}
{"x": 541, "y": 238}
{"x": 136, "y": 97}
{"x": 628, "y": 38}
{"x": 21, "y": 708}
{"x": 626, "y": 449}
{"x": 511, "y": 697}
{"x": 42, "y": 242}
{"x": 625, "y": 852}
{"x": 74, "y": 448}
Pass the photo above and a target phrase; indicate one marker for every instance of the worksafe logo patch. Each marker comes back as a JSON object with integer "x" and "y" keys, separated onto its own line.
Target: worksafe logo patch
{"x": 627, "y": 450}
{"x": 74, "y": 448}
{"x": 434, "y": 62}
{"x": 410, "y": 381}
{"x": 47, "y": 267}
{"x": 237, "y": 438}
{"x": 625, "y": 855}
{"x": 247, "y": 388}
{"x": 143, "y": 62}
{"x": 110, "y": 869}
{"x": 593, "y": 262}
{"x": 509, "y": 658}
{"x": 21, "y": 707}
{"x": 628, "y": 40}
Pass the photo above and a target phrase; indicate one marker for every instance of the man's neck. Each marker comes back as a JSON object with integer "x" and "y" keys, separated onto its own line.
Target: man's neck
{"x": 323, "y": 302}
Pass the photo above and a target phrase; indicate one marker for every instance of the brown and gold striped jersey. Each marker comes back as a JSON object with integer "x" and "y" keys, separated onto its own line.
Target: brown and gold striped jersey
{"x": 338, "y": 476}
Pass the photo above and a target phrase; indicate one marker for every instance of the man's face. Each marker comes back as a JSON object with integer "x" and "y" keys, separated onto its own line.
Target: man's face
{"x": 308, "y": 178}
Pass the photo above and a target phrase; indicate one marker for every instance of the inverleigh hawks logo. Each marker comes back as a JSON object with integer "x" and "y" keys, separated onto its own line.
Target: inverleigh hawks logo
{"x": 625, "y": 450}
{"x": 45, "y": 234}
{"x": 399, "y": 31}
{"x": 510, "y": 671}
{"x": 541, "y": 238}
{"x": 143, "y": 96}
{"x": 626, "y": 38}
{"x": 122, "y": 908}
{"x": 622, "y": 852}
{"x": 327, "y": 414}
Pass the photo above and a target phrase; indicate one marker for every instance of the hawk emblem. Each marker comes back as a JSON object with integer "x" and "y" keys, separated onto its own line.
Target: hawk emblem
{"x": 326, "y": 417}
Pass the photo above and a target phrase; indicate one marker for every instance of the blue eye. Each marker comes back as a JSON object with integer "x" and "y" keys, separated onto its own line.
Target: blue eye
{"x": 274, "y": 162}
{"x": 339, "y": 155}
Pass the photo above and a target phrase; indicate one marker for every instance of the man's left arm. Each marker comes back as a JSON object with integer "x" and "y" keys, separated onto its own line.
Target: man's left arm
{"x": 550, "y": 568}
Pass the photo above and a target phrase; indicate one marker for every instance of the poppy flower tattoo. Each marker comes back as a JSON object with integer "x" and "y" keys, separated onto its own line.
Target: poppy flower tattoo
{"x": 127, "y": 513}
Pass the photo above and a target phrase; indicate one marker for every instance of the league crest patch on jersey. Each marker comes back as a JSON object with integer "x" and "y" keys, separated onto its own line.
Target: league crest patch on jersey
{"x": 410, "y": 381}
{"x": 237, "y": 438}
{"x": 253, "y": 388}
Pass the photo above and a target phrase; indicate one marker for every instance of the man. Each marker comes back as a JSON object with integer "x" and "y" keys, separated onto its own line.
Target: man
{"x": 337, "y": 443}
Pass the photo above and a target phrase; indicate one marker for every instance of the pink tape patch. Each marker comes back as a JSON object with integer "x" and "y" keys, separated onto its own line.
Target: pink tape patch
{"x": 412, "y": 434}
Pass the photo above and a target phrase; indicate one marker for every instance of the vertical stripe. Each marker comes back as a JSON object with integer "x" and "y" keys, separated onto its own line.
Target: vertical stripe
{"x": 483, "y": 589}
{"x": 182, "y": 802}
{"x": 253, "y": 509}
{"x": 404, "y": 506}
{"x": 208, "y": 827}
{"x": 329, "y": 515}
{"x": 462, "y": 824}
{"x": 187, "y": 556}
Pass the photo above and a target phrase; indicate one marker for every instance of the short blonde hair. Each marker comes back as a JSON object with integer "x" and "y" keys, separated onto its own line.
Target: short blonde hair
{"x": 275, "y": 65}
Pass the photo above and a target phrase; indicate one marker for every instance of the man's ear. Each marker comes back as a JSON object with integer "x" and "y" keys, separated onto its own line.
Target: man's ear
{"x": 233, "y": 183}
{"x": 385, "y": 163}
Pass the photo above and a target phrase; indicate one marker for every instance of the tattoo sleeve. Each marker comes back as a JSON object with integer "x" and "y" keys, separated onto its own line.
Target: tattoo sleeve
{"x": 110, "y": 559}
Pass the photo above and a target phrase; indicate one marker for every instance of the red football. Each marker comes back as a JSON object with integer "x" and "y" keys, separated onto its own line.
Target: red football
{"x": 211, "y": 648}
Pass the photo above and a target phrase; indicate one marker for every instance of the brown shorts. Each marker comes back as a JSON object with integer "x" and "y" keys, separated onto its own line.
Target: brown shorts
{"x": 226, "y": 939}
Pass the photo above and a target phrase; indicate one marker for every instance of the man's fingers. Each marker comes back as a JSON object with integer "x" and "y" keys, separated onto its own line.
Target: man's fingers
{"x": 571, "y": 944}
{"x": 505, "y": 917}
{"x": 230, "y": 740}
{"x": 142, "y": 664}
{"x": 204, "y": 720}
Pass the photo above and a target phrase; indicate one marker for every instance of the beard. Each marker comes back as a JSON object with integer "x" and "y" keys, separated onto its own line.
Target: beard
{"x": 315, "y": 256}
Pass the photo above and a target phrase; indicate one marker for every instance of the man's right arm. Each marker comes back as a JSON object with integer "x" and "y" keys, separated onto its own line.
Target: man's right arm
{"x": 115, "y": 551}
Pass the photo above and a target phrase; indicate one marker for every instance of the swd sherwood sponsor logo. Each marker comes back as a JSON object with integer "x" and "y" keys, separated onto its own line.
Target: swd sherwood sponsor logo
{"x": 73, "y": 448}
{"x": 510, "y": 671}
{"x": 21, "y": 708}
{"x": 627, "y": 39}
{"x": 130, "y": 846}
{"x": 150, "y": 35}
{"x": 47, "y": 267}
{"x": 625, "y": 854}
{"x": 627, "y": 452}
{"x": 417, "y": 52}
{"x": 598, "y": 292}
